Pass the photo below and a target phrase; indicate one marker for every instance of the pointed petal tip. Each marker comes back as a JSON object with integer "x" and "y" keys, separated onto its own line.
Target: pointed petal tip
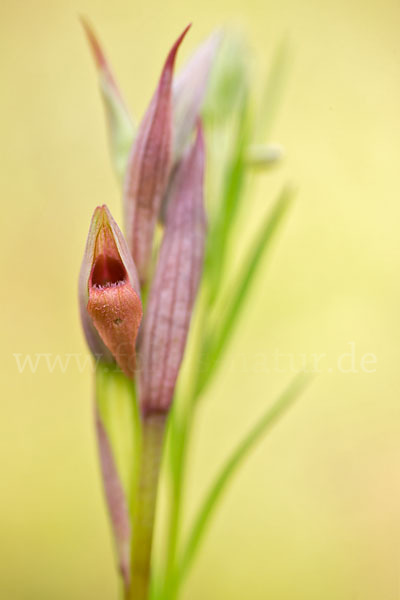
{"x": 169, "y": 63}
{"x": 183, "y": 34}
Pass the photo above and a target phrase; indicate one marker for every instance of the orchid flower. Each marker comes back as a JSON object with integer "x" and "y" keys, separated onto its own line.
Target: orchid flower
{"x": 111, "y": 308}
{"x": 110, "y": 304}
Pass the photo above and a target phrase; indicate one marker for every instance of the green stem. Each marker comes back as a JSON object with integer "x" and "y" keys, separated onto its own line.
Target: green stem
{"x": 153, "y": 428}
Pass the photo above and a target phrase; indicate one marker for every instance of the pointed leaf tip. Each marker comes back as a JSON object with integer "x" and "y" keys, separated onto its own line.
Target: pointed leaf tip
{"x": 94, "y": 44}
{"x": 121, "y": 130}
{"x": 170, "y": 61}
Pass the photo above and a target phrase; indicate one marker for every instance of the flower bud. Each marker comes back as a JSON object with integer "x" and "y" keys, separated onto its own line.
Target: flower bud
{"x": 175, "y": 284}
{"x": 111, "y": 309}
{"x": 149, "y": 167}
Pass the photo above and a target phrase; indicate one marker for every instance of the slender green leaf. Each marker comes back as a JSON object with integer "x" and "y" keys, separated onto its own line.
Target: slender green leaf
{"x": 231, "y": 467}
{"x": 215, "y": 344}
{"x": 231, "y": 196}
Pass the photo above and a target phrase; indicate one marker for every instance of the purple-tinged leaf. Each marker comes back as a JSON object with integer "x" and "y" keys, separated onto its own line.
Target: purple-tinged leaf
{"x": 121, "y": 129}
{"x": 189, "y": 91}
{"x": 116, "y": 500}
{"x": 148, "y": 168}
{"x": 110, "y": 305}
{"x": 175, "y": 284}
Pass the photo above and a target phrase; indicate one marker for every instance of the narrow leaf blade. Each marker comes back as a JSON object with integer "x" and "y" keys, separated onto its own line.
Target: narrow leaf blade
{"x": 271, "y": 416}
{"x": 214, "y": 346}
{"x": 121, "y": 129}
{"x": 232, "y": 194}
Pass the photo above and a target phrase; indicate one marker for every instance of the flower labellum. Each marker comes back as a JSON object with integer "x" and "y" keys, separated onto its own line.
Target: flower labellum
{"x": 111, "y": 309}
{"x": 149, "y": 167}
{"x": 175, "y": 284}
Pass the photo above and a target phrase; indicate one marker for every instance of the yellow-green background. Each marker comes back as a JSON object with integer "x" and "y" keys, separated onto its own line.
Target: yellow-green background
{"x": 315, "y": 514}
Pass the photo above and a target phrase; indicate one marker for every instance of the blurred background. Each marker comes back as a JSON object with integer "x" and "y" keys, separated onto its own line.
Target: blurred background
{"x": 315, "y": 513}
